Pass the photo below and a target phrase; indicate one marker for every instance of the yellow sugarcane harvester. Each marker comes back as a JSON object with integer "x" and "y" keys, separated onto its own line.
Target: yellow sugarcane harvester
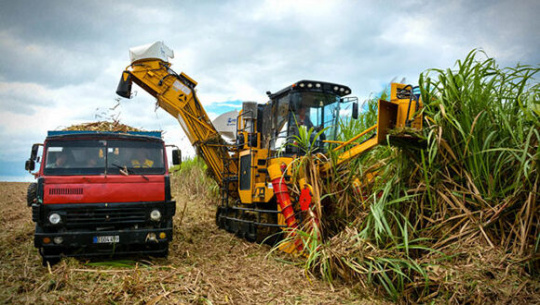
{"x": 254, "y": 172}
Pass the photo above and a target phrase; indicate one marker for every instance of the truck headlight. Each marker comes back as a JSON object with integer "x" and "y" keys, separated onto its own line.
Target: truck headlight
{"x": 155, "y": 215}
{"x": 55, "y": 218}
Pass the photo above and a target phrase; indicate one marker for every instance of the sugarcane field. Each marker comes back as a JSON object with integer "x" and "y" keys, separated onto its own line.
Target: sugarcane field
{"x": 284, "y": 153}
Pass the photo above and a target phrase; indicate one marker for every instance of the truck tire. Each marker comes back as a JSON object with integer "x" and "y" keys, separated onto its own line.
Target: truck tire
{"x": 31, "y": 194}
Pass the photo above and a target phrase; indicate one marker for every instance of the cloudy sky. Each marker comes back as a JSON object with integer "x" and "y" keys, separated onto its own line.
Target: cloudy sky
{"x": 61, "y": 60}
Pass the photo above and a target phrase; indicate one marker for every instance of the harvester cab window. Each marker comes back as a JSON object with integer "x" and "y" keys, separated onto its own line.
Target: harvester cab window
{"x": 315, "y": 110}
{"x": 314, "y": 116}
{"x": 302, "y": 117}
{"x": 331, "y": 119}
{"x": 281, "y": 119}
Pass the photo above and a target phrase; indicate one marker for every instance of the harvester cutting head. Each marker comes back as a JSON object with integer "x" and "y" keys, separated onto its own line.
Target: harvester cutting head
{"x": 398, "y": 123}
{"x": 400, "y": 120}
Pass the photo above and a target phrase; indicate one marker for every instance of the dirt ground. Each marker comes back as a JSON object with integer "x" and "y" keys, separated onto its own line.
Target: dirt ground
{"x": 205, "y": 266}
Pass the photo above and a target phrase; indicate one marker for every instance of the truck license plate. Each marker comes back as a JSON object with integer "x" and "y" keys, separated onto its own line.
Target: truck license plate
{"x": 106, "y": 239}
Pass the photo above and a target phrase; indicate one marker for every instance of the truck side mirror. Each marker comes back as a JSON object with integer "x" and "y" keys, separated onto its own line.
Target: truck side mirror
{"x": 355, "y": 110}
{"x": 30, "y": 165}
{"x": 177, "y": 156}
{"x": 33, "y": 154}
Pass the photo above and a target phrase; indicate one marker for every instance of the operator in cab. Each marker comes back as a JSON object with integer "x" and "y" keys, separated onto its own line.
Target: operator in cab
{"x": 141, "y": 159}
{"x": 62, "y": 161}
{"x": 302, "y": 118}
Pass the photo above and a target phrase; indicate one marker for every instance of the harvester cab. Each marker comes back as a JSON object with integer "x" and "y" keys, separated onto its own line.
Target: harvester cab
{"x": 311, "y": 106}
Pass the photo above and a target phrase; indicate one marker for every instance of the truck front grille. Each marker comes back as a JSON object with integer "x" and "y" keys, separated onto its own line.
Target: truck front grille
{"x": 105, "y": 216}
{"x": 66, "y": 191}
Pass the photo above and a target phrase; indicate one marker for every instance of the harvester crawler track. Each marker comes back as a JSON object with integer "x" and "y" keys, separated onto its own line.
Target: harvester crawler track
{"x": 250, "y": 222}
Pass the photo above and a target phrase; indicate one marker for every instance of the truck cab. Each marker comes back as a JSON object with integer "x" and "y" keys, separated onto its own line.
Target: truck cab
{"x": 101, "y": 194}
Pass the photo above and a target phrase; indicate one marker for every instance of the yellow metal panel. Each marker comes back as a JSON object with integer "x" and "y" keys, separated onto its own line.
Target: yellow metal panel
{"x": 189, "y": 78}
{"x": 404, "y": 106}
{"x": 386, "y": 119}
{"x": 353, "y": 152}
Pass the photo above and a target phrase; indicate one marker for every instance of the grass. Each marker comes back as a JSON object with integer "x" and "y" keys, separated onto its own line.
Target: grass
{"x": 473, "y": 189}
{"x": 205, "y": 265}
{"x": 457, "y": 222}
{"x": 196, "y": 182}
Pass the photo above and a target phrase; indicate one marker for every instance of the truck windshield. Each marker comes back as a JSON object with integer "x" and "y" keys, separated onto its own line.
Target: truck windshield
{"x": 96, "y": 157}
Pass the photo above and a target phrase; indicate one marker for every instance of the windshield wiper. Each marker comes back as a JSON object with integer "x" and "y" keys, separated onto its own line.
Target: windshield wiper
{"x": 123, "y": 169}
{"x": 126, "y": 171}
{"x": 133, "y": 172}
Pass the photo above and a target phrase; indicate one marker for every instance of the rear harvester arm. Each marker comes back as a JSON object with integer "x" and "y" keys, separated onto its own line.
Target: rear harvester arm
{"x": 176, "y": 95}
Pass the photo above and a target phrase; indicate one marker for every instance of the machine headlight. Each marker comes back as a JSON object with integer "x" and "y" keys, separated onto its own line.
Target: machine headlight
{"x": 336, "y": 88}
{"x": 302, "y": 85}
{"x": 318, "y": 85}
{"x": 55, "y": 218}
{"x": 309, "y": 85}
{"x": 155, "y": 215}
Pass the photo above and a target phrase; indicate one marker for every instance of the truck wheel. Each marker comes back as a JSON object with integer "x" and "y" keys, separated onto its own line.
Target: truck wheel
{"x": 31, "y": 194}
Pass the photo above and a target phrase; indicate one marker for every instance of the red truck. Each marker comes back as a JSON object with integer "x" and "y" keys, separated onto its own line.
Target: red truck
{"x": 101, "y": 194}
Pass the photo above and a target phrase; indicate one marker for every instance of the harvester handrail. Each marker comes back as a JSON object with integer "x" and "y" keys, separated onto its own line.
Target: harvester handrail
{"x": 355, "y": 137}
